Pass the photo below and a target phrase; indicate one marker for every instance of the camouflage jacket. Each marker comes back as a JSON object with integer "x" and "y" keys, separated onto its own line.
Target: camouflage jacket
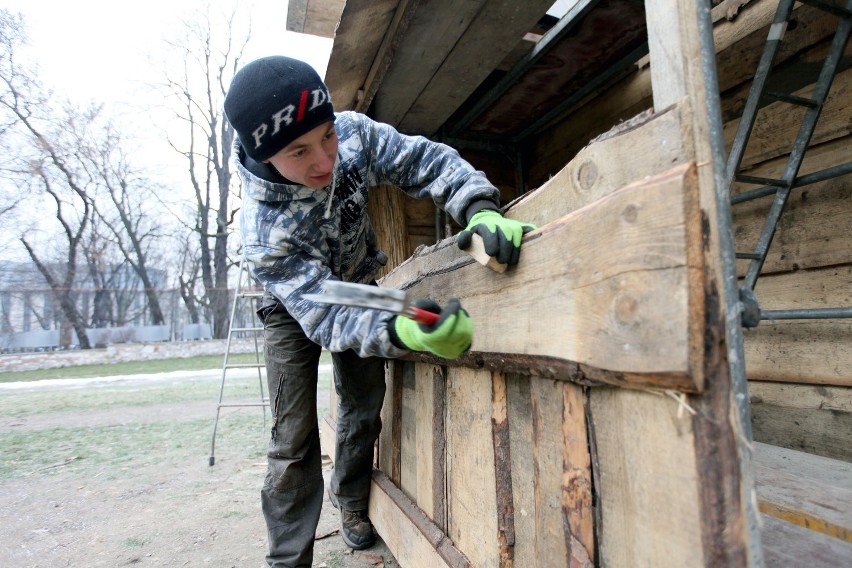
{"x": 294, "y": 237}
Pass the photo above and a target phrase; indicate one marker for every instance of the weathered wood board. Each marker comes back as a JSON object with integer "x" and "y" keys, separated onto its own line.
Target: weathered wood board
{"x": 471, "y": 481}
{"x": 807, "y": 418}
{"x": 787, "y": 544}
{"x": 617, "y": 277}
{"x": 645, "y": 500}
{"x": 810, "y": 491}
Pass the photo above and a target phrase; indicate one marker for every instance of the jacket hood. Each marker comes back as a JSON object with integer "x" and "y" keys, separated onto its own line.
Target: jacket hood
{"x": 256, "y": 186}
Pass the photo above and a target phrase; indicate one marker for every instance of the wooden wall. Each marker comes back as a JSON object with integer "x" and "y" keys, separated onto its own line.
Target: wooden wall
{"x": 594, "y": 422}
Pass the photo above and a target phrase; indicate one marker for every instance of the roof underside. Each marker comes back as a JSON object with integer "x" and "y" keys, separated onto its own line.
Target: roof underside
{"x": 486, "y": 70}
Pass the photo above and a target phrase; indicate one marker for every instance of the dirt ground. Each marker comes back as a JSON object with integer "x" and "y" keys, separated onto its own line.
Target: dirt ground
{"x": 143, "y": 511}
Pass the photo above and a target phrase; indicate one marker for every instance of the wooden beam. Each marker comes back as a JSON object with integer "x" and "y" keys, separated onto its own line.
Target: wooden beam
{"x": 615, "y": 286}
{"x": 649, "y": 481}
{"x": 801, "y": 242}
{"x": 682, "y": 56}
{"x": 471, "y": 484}
{"x": 393, "y": 38}
{"x": 502, "y": 470}
{"x": 778, "y": 124}
{"x": 492, "y": 33}
{"x": 387, "y": 215}
{"x": 802, "y": 351}
{"x": 788, "y": 544}
{"x": 811, "y": 491}
{"x": 360, "y": 33}
{"x": 807, "y": 418}
{"x": 428, "y": 41}
{"x": 415, "y": 540}
{"x": 605, "y": 165}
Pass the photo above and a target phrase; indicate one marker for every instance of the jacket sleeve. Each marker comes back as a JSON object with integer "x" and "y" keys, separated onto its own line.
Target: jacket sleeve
{"x": 427, "y": 170}
{"x": 337, "y": 328}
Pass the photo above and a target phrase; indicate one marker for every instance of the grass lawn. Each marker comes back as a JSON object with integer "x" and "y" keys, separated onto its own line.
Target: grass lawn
{"x": 134, "y": 368}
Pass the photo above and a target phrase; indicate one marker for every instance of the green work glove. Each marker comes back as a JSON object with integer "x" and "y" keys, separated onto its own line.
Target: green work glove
{"x": 448, "y": 337}
{"x": 501, "y": 236}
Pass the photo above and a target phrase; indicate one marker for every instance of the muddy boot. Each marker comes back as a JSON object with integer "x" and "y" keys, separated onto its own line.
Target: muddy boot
{"x": 355, "y": 527}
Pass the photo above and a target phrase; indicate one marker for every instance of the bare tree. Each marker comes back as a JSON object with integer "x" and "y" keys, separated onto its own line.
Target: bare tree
{"x": 123, "y": 205}
{"x": 211, "y": 53}
{"x": 45, "y": 160}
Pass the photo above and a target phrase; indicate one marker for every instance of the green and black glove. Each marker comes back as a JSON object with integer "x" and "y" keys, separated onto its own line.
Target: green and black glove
{"x": 500, "y": 236}
{"x": 448, "y": 337}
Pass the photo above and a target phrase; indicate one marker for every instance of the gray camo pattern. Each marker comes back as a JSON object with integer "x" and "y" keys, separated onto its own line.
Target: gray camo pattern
{"x": 292, "y": 249}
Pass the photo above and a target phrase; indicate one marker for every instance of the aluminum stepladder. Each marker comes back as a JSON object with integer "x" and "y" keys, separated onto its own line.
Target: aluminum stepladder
{"x": 790, "y": 180}
{"x": 245, "y": 297}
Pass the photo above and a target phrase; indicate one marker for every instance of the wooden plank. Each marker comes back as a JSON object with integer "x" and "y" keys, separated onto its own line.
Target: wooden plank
{"x": 615, "y": 286}
{"x": 427, "y": 43}
{"x": 394, "y": 36}
{"x": 487, "y": 40}
{"x": 800, "y": 241}
{"x": 786, "y": 544}
{"x": 778, "y": 123}
{"x": 728, "y": 519}
{"x": 502, "y": 470}
{"x": 314, "y": 18}
{"x": 564, "y": 528}
{"x": 605, "y": 165}
{"x": 387, "y": 214}
{"x": 800, "y": 54}
{"x": 360, "y": 31}
{"x": 551, "y": 469}
{"x": 390, "y": 438}
{"x": 802, "y": 351}
{"x": 429, "y": 404}
{"x": 811, "y": 491}
{"x": 414, "y": 540}
{"x": 519, "y": 408}
{"x": 409, "y": 425}
{"x": 648, "y": 474}
{"x": 807, "y": 418}
{"x": 471, "y": 496}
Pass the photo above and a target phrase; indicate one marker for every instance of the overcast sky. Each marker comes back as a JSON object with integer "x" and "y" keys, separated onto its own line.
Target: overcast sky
{"x": 111, "y": 51}
{"x": 102, "y": 49}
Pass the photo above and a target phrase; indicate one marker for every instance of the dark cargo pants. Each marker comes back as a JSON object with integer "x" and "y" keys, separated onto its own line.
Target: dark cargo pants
{"x": 292, "y": 493}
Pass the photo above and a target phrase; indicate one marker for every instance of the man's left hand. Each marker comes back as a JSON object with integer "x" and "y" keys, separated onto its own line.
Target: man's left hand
{"x": 500, "y": 236}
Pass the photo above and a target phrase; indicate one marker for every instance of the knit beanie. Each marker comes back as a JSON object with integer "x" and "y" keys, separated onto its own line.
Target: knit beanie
{"x": 274, "y": 100}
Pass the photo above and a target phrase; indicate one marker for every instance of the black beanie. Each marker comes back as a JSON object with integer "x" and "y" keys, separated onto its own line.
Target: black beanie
{"x": 274, "y": 100}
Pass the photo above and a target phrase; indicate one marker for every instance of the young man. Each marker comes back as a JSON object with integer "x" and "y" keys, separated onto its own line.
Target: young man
{"x": 306, "y": 174}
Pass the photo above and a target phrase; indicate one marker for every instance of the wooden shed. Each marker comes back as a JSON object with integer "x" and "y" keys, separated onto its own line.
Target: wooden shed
{"x": 676, "y": 387}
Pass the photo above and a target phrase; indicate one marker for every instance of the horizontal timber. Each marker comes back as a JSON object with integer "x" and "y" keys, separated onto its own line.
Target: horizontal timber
{"x": 614, "y": 287}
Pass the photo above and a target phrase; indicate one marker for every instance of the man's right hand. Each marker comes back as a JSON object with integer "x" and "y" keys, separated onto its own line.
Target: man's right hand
{"x": 448, "y": 338}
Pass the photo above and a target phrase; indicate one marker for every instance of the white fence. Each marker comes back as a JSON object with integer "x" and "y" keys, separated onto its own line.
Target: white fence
{"x": 48, "y": 340}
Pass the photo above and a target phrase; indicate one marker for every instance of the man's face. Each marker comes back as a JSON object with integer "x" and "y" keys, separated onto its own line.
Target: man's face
{"x": 309, "y": 159}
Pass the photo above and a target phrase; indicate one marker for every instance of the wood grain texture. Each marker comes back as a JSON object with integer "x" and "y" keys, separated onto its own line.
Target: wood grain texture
{"x": 649, "y": 492}
{"x": 429, "y": 397}
{"x": 488, "y": 38}
{"x": 594, "y": 172}
{"x": 360, "y": 32}
{"x": 806, "y": 418}
{"x": 415, "y": 540}
{"x": 811, "y": 491}
{"x": 387, "y": 215}
{"x": 390, "y": 438}
{"x": 778, "y": 123}
{"x": 471, "y": 485}
{"x": 615, "y": 285}
{"x": 787, "y": 544}
{"x": 430, "y": 40}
